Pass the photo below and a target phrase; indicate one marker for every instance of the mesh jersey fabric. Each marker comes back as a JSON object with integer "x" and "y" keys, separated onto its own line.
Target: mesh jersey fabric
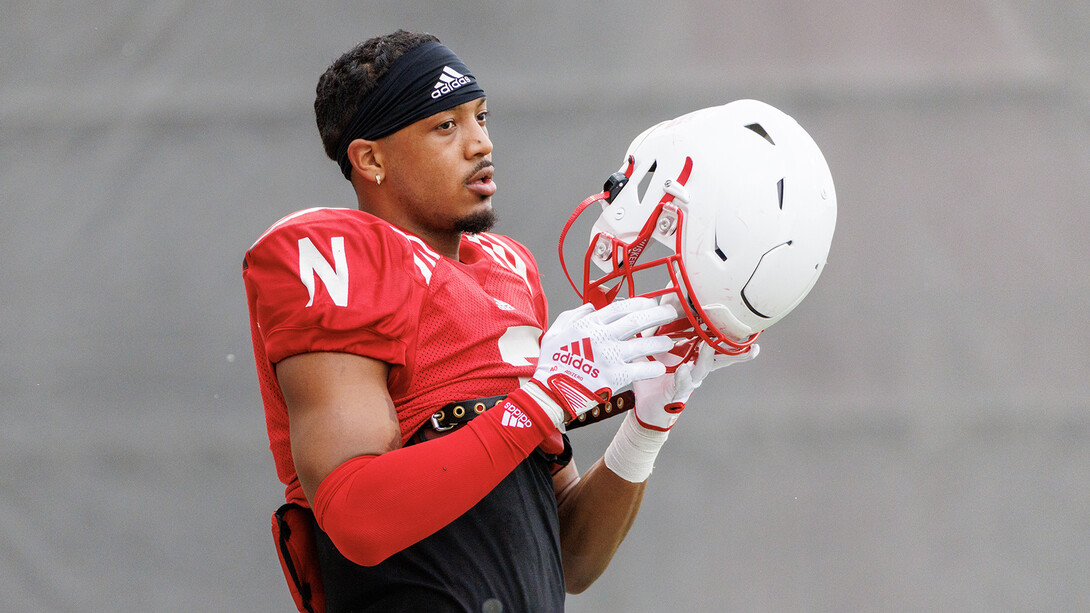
{"x": 343, "y": 280}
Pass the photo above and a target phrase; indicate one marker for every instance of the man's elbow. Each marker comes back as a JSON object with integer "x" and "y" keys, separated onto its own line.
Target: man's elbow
{"x": 574, "y": 586}
{"x": 359, "y": 549}
{"x": 577, "y": 580}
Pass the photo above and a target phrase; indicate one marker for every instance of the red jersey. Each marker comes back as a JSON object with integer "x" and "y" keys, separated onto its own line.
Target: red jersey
{"x": 344, "y": 280}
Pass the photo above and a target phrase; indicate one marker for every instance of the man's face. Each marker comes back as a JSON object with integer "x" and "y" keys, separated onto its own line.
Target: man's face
{"x": 439, "y": 170}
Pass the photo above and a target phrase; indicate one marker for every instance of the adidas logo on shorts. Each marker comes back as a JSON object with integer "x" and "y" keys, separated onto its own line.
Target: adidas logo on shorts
{"x": 449, "y": 80}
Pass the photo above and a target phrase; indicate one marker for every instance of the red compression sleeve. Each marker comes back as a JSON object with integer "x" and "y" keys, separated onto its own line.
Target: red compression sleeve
{"x": 374, "y": 506}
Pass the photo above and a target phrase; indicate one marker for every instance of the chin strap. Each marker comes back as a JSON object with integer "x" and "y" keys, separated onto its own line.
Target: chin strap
{"x": 612, "y": 187}
{"x": 567, "y": 226}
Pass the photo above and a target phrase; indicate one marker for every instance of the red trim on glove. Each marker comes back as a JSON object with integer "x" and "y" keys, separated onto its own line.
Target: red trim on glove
{"x": 672, "y": 408}
{"x": 571, "y": 395}
{"x": 374, "y": 506}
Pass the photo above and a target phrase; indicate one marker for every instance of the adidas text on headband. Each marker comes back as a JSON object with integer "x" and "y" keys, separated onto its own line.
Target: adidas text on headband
{"x": 426, "y": 80}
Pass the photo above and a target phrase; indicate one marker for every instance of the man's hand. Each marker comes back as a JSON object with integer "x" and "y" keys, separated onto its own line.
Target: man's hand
{"x": 586, "y": 355}
{"x": 631, "y": 455}
{"x": 659, "y": 401}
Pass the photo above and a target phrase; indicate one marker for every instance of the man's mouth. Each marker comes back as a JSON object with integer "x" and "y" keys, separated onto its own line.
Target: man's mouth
{"x": 481, "y": 182}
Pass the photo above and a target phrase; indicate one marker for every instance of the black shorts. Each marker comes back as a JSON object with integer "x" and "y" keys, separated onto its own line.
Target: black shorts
{"x": 501, "y": 556}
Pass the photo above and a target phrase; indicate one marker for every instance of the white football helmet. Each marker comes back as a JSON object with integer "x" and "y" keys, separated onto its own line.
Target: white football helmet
{"x": 742, "y": 200}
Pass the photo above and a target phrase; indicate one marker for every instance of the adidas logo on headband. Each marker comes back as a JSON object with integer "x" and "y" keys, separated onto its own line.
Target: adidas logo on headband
{"x": 449, "y": 80}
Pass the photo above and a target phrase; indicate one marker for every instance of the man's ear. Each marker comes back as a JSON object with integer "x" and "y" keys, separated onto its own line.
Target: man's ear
{"x": 365, "y": 159}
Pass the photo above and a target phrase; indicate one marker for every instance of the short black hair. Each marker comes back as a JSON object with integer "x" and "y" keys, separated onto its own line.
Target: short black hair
{"x": 352, "y": 76}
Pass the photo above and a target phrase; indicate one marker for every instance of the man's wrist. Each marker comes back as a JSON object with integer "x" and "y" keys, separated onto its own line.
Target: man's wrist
{"x": 542, "y": 400}
{"x": 631, "y": 455}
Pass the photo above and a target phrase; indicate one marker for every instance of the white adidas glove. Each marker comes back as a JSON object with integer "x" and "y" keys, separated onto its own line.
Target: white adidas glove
{"x": 587, "y": 355}
{"x": 659, "y": 401}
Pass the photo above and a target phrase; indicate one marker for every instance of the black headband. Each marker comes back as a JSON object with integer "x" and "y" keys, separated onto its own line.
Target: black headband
{"x": 426, "y": 80}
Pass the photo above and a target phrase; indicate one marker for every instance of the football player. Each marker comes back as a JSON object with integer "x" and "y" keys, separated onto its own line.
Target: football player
{"x": 413, "y": 397}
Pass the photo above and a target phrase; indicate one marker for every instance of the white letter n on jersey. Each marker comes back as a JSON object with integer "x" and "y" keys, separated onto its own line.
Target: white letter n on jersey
{"x": 335, "y": 277}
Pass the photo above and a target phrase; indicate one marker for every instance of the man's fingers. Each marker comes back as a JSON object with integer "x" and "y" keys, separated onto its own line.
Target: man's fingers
{"x": 709, "y": 361}
{"x": 617, "y": 309}
{"x": 644, "y": 318}
{"x": 639, "y": 371}
{"x": 567, "y": 317}
{"x": 644, "y": 346}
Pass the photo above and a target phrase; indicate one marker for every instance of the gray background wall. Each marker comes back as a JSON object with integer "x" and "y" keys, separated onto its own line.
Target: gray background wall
{"x": 914, "y": 437}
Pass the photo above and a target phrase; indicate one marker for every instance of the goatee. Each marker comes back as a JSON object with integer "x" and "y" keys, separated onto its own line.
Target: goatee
{"x": 476, "y": 223}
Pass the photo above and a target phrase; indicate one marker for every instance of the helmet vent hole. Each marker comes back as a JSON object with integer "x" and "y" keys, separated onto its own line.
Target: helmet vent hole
{"x": 779, "y": 192}
{"x": 646, "y": 180}
{"x": 756, "y": 127}
{"x": 718, "y": 251}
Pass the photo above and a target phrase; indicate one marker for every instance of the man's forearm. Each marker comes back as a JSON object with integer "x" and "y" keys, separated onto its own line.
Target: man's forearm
{"x": 596, "y": 512}
{"x": 363, "y": 504}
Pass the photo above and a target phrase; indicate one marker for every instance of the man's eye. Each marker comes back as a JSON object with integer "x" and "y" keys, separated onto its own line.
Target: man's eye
{"x": 446, "y": 125}
{"x": 482, "y": 116}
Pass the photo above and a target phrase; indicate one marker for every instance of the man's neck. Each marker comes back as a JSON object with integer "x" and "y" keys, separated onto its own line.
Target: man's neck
{"x": 445, "y": 243}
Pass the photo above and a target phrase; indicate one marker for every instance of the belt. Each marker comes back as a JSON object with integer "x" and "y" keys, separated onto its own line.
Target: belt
{"x": 455, "y": 414}
{"x": 615, "y": 405}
